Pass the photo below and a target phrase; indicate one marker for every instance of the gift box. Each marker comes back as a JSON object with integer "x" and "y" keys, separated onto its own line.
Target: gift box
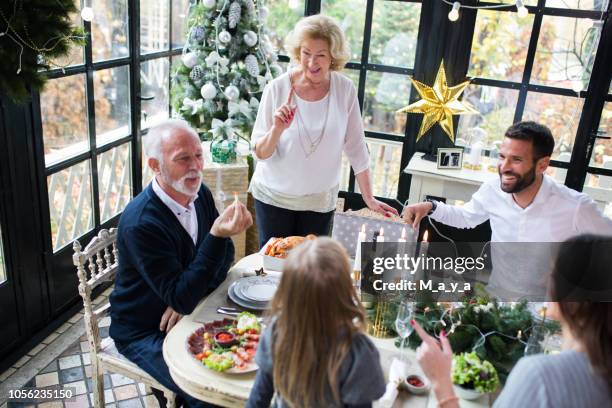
{"x": 348, "y": 224}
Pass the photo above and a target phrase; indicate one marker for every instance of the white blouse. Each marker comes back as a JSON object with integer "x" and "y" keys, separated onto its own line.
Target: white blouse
{"x": 293, "y": 177}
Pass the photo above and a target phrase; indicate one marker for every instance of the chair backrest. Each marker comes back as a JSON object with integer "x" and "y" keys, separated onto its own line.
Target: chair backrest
{"x": 96, "y": 264}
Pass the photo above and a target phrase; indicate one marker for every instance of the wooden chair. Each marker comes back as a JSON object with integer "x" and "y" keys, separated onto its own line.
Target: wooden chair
{"x": 101, "y": 257}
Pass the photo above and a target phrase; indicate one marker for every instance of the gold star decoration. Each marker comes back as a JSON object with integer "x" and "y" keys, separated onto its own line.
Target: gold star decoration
{"x": 439, "y": 103}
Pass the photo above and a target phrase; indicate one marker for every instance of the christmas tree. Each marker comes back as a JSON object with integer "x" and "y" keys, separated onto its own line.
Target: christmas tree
{"x": 227, "y": 60}
{"x": 34, "y": 35}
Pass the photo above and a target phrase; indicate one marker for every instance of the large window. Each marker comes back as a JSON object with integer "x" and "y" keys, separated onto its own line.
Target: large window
{"x": 89, "y": 114}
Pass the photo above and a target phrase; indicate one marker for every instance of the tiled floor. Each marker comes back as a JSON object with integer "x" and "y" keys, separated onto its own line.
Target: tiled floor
{"x": 70, "y": 366}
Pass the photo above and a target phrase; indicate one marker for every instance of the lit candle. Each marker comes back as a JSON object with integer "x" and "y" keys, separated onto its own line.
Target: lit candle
{"x": 403, "y": 236}
{"x": 519, "y": 334}
{"x": 381, "y": 235}
{"x": 361, "y": 237}
{"x": 424, "y": 244}
{"x": 236, "y": 197}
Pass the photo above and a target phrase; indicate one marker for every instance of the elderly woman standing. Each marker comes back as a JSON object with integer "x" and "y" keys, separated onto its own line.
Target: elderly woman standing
{"x": 306, "y": 119}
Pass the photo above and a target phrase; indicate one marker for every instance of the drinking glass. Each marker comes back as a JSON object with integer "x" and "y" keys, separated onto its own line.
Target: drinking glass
{"x": 405, "y": 312}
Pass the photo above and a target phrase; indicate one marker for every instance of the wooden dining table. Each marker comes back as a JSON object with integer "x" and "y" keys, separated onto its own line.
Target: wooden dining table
{"x": 232, "y": 390}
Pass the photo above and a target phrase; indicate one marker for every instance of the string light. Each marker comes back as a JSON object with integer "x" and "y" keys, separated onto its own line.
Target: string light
{"x": 87, "y": 14}
{"x": 454, "y": 13}
{"x": 521, "y": 9}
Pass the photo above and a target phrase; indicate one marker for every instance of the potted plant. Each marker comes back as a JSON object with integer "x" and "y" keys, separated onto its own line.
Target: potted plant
{"x": 473, "y": 377}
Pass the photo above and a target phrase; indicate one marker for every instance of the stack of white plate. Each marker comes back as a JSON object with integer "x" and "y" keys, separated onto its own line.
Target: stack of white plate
{"x": 253, "y": 292}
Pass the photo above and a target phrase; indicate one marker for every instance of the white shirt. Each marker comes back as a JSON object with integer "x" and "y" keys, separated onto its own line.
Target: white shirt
{"x": 556, "y": 214}
{"x": 289, "y": 171}
{"x": 186, "y": 216}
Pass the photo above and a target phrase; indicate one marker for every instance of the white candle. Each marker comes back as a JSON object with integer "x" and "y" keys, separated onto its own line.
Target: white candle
{"x": 361, "y": 237}
{"x": 236, "y": 197}
{"x": 381, "y": 236}
{"x": 401, "y": 248}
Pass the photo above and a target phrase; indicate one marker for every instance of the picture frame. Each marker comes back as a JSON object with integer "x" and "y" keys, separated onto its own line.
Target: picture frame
{"x": 450, "y": 158}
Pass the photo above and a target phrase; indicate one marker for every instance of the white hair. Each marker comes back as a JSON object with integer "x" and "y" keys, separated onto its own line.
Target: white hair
{"x": 154, "y": 139}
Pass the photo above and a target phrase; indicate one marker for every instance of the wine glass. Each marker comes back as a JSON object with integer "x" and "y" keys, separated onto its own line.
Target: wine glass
{"x": 405, "y": 312}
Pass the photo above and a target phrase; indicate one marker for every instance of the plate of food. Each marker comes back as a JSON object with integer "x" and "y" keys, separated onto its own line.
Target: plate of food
{"x": 277, "y": 249}
{"x": 227, "y": 345}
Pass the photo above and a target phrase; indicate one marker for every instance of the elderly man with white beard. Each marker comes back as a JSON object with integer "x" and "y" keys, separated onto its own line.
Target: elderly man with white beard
{"x": 174, "y": 249}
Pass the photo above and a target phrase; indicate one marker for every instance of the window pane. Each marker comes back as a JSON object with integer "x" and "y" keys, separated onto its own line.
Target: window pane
{"x": 496, "y": 113}
{"x": 147, "y": 173}
{"x": 345, "y": 173}
{"x": 282, "y": 17}
{"x": 2, "y": 262}
{"x": 70, "y": 204}
{"x": 114, "y": 180}
{"x": 385, "y": 159}
{"x": 385, "y": 93}
{"x": 487, "y": 58}
{"x": 353, "y": 74}
{"x": 557, "y": 173}
{"x": 566, "y": 48}
{"x": 561, "y": 114}
{"x": 64, "y": 118}
{"x": 110, "y": 29}
{"x": 350, "y": 14}
{"x": 599, "y": 5}
{"x": 180, "y": 8}
{"x": 112, "y": 91}
{"x": 394, "y": 33}
{"x": 154, "y": 82}
{"x": 76, "y": 54}
{"x": 599, "y": 187}
{"x": 154, "y": 21}
{"x": 602, "y": 151}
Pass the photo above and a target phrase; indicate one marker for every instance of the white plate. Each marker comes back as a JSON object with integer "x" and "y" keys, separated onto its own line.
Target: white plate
{"x": 247, "y": 304}
{"x": 248, "y": 288}
{"x": 261, "y": 292}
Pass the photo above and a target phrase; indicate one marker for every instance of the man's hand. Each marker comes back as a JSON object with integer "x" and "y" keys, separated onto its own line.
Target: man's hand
{"x": 235, "y": 219}
{"x": 413, "y": 214}
{"x": 169, "y": 319}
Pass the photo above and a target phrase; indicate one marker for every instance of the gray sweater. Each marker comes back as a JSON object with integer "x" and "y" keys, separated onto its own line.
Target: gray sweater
{"x": 555, "y": 381}
{"x": 360, "y": 377}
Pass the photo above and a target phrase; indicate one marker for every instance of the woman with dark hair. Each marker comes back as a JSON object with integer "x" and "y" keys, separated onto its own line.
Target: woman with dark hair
{"x": 579, "y": 376}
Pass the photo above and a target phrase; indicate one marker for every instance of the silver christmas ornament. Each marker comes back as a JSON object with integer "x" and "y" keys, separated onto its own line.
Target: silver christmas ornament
{"x": 209, "y": 3}
{"x": 198, "y": 33}
{"x": 251, "y": 64}
{"x": 208, "y": 91}
{"x": 234, "y": 14}
{"x": 232, "y": 93}
{"x": 196, "y": 74}
{"x": 263, "y": 13}
{"x": 250, "y": 38}
{"x": 225, "y": 37}
{"x": 190, "y": 59}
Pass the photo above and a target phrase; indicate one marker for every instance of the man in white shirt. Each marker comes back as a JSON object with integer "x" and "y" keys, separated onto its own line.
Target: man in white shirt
{"x": 526, "y": 205}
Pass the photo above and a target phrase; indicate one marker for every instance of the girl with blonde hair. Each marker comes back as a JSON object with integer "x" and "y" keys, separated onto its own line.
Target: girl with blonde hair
{"x": 315, "y": 352}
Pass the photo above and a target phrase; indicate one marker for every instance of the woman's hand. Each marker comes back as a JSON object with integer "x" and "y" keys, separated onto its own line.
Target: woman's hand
{"x": 435, "y": 358}
{"x": 380, "y": 207}
{"x": 283, "y": 117}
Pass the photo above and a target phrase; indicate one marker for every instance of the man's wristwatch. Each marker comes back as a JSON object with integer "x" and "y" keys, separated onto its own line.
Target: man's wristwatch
{"x": 434, "y": 204}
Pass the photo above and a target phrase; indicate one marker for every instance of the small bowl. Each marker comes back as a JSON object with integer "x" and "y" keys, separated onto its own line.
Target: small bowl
{"x": 466, "y": 393}
{"x": 231, "y": 340}
{"x": 415, "y": 389}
